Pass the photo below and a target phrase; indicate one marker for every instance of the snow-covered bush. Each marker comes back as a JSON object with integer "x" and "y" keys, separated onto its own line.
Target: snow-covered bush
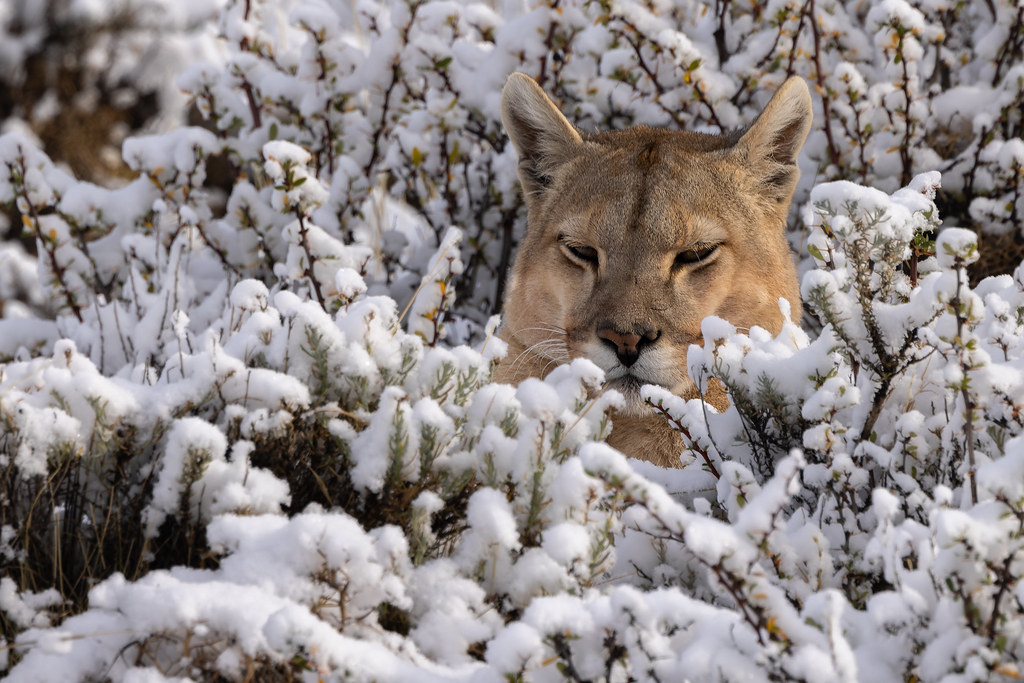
{"x": 259, "y": 440}
{"x": 400, "y": 99}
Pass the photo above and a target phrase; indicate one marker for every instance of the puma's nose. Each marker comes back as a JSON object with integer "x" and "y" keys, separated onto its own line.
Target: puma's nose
{"x": 627, "y": 344}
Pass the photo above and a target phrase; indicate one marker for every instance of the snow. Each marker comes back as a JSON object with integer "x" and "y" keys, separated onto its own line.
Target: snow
{"x": 289, "y": 374}
{"x": 492, "y": 520}
{"x": 25, "y": 608}
{"x": 191, "y": 445}
{"x": 956, "y": 244}
{"x": 349, "y": 283}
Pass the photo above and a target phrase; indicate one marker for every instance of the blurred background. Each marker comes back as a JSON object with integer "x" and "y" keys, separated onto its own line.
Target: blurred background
{"x": 78, "y": 77}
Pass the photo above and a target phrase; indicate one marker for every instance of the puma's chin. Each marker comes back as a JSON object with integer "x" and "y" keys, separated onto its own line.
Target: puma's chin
{"x": 629, "y": 386}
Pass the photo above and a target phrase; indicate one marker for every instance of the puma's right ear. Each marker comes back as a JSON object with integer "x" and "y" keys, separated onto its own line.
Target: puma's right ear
{"x": 543, "y": 137}
{"x": 771, "y": 144}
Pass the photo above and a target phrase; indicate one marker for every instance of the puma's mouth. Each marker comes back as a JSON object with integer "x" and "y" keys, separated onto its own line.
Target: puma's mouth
{"x": 651, "y": 367}
{"x": 630, "y": 377}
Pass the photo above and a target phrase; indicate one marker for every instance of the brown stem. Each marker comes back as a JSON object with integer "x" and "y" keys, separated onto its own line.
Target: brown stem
{"x": 549, "y": 43}
{"x": 826, "y": 100}
{"x": 250, "y": 95}
{"x": 310, "y": 260}
{"x": 1005, "y": 578}
{"x": 790, "y": 66}
{"x": 507, "y": 245}
{"x": 58, "y": 270}
{"x": 956, "y": 302}
{"x": 722, "y": 7}
{"x": 693, "y": 444}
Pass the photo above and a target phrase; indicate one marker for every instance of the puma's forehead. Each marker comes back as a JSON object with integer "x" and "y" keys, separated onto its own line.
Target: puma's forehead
{"x": 651, "y": 184}
{"x": 650, "y": 165}
{"x": 645, "y": 151}
{"x": 641, "y": 138}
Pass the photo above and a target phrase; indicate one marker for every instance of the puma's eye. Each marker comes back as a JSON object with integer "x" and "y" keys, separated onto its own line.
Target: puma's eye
{"x": 580, "y": 253}
{"x": 696, "y": 255}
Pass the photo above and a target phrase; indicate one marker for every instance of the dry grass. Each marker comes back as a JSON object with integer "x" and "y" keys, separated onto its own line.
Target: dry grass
{"x": 999, "y": 254}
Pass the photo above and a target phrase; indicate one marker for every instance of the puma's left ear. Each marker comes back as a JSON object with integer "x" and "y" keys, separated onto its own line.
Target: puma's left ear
{"x": 771, "y": 145}
{"x": 541, "y": 134}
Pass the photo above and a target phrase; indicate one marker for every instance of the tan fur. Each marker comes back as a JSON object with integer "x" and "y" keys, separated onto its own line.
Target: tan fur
{"x": 597, "y": 274}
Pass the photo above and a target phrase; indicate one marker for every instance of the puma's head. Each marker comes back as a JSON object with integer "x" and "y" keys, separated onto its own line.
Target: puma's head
{"x": 635, "y": 236}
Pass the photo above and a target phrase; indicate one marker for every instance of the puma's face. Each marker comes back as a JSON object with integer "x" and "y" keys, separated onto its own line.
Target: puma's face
{"x": 635, "y": 237}
{"x": 636, "y": 244}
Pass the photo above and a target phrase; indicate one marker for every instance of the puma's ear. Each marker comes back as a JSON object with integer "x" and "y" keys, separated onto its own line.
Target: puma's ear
{"x": 771, "y": 144}
{"x": 541, "y": 135}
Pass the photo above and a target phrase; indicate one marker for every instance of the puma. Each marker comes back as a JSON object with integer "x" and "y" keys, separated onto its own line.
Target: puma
{"x": 635, "y": 236}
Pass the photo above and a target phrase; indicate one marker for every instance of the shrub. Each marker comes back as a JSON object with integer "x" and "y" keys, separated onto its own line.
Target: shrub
{"x": 259, "y": 439}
